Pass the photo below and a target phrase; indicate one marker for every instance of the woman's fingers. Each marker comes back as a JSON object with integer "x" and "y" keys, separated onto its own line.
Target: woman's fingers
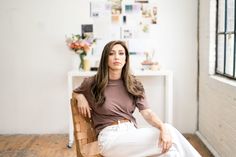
{"x": 164, "y": 147}
{"x": 165, "y": 140}
{"x": 88, "y": 112}
{"x": 85, "y": 111}
{"x": 83, "y": 106}
{"x": 165, "y": 144}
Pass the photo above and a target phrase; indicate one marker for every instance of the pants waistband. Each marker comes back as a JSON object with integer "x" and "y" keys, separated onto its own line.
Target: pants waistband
{"x": 120, "y": 121}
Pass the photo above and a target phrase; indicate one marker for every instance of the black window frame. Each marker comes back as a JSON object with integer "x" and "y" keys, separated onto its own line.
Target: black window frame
{"x": 225, "y": 33}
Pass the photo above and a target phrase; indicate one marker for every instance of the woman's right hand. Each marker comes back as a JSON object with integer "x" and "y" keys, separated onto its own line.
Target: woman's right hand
{"x": 83, "y": 105}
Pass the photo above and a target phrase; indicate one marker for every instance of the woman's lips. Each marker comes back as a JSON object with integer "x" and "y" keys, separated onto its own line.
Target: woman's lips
{"x": 117, "y": 63}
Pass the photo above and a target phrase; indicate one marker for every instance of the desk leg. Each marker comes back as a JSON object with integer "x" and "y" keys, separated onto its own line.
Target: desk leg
{"x": 169, "y": 98}
{"x": 71, "y": 128}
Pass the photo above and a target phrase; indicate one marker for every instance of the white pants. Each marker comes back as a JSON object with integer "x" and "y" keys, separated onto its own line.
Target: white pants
{"x": 125, "y": 140}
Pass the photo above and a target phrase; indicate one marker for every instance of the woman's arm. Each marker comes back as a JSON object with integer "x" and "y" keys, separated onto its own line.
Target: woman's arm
{"x": 82, "y": 104}
{"x": 165, "y": 139}
{"x": 152, "y": 119}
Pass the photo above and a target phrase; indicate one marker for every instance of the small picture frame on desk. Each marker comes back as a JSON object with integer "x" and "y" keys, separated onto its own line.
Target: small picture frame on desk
{"x": 141, "y": 1}
{"x": 94, "y": 69}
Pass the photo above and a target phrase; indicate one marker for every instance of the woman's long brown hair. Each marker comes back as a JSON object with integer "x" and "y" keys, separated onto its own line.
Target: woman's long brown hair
{"x": 133, "y": 86}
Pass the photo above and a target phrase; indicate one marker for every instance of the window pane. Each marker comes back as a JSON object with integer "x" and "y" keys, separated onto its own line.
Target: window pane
{"x": 235, "y": 69}
{"x": 220, "y": 54}
{"x": 221, "y": 15}
{"x": 229, "y": 54}
{"x": 230, "y": 15}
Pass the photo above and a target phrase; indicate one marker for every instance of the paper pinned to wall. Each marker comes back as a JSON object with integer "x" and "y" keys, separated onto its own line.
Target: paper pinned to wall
{"x": 100, "y": 8}
{"x": 103, "y": 29}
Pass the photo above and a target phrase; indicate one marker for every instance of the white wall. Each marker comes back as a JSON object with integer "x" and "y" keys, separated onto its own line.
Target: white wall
{"x": 217, "y": 112}
{"x": 34, "y": 61}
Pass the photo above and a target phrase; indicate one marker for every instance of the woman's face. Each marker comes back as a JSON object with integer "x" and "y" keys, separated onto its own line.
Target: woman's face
{"x": 117, "y": 57}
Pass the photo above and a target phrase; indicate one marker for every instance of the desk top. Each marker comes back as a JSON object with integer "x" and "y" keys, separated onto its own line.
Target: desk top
{"x": 136, "y": 73}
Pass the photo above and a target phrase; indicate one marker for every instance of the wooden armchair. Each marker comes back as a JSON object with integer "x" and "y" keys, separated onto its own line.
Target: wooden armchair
{"x": 84, "y": 133}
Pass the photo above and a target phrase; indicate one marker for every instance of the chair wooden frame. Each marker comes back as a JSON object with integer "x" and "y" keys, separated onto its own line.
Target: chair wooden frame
{"x": 84, "y": 133}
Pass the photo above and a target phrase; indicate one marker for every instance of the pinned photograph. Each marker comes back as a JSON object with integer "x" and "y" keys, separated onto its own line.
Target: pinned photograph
{"x": 150, "y": 13}
{"x": 116, "y": 8}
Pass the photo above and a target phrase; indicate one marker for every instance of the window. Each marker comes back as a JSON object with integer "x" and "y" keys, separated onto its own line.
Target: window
{"x": 226, "y": 38}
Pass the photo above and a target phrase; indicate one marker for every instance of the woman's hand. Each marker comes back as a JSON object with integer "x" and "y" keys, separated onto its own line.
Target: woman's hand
{"x": 165, "y": 139}
{"x": 83, "y": 105}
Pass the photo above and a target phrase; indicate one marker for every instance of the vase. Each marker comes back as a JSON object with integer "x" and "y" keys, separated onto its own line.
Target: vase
{"x": 81, "y": 56}
{"x": 86, "y": 64}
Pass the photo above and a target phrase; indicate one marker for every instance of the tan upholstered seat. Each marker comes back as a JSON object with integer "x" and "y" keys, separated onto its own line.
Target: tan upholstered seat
{"x": 84, "y": 133}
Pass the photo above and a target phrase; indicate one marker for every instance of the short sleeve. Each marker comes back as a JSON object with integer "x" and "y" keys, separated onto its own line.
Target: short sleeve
{"x": 141, "y": 103}
{"x": 84, "y": 88}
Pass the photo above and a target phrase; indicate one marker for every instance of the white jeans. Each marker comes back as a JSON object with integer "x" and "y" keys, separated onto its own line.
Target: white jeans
{"x": 125, "y": 140}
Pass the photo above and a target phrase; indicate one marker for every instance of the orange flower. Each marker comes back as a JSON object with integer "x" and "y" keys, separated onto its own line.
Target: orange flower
{"x": 79, "y": 44}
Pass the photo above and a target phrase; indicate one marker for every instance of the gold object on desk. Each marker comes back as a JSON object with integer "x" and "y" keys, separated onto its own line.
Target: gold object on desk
{"x": 86, "y": 64}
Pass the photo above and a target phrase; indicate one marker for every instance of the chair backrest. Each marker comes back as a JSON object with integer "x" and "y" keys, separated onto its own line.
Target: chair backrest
{"x": 84, "y": 133}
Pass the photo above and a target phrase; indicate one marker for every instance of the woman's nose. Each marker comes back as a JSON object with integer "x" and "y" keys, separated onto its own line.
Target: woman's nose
{"x": 116, "y": 55}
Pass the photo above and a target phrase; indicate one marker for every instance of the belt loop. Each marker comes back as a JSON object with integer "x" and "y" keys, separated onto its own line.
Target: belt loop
{"x": 118, "y": 124}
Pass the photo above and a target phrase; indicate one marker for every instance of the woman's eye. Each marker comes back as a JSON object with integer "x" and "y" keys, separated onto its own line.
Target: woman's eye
{"x": 111, "y": 53}
{"x": 121, "y": 53}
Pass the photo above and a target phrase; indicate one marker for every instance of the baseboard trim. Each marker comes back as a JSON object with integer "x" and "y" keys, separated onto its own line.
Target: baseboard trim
{"x": 208, "y": 145}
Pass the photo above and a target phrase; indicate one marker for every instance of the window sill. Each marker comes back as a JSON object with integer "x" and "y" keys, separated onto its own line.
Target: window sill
{"x": 224, "y": 80}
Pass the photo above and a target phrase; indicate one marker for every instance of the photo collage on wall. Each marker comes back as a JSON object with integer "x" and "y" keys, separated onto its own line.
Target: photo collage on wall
{"x": 131, "y": 17}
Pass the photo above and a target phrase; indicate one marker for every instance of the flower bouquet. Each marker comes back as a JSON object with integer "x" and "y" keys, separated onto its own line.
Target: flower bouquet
{"x": 81, "y": 46}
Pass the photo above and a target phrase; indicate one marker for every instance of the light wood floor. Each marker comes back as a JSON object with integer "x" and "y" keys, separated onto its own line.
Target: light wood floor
{"x": 55, "y": 146}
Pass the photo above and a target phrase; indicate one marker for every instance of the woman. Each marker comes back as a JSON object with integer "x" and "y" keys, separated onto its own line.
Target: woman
{"x": 110, "y": 98}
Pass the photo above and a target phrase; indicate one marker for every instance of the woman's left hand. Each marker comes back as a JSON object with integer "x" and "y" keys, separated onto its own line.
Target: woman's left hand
{"x": 165, "y": 139}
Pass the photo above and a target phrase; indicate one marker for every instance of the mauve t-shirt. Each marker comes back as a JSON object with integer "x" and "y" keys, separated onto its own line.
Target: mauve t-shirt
{"x": 118, "y": 103}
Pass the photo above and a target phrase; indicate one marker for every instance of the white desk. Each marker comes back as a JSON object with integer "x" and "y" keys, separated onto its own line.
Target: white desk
{"x": 168, "y": 115}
